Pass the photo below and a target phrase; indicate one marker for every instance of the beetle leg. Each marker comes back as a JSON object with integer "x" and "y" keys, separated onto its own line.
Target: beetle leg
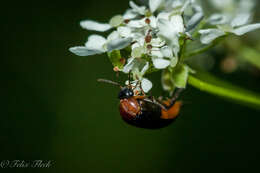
{"x": 153, "y": 101}
{"x": 140, "y": 85}
{"x": 137, "y": 83}
{"x": 160, "y": 99}
{"x": 139, "y": 97}
{"x": 176, "y": 96}
{"x": 142, "y": 90}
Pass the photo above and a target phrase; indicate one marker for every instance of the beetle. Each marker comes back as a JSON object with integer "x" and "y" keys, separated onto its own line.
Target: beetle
{"x": 145, "y": 111}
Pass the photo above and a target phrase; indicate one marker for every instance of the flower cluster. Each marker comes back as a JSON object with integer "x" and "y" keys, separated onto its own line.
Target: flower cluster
{"x": 234, "y": 18}
{"x": 153, "y": 37}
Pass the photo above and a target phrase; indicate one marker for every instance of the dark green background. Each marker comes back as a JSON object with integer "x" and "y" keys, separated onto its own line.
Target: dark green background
{"x": 53, "y": 108}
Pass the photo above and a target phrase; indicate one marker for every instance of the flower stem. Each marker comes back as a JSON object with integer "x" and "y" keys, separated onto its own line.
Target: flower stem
{"x": 205, "y": 48}
{"x": 225, "y": 90}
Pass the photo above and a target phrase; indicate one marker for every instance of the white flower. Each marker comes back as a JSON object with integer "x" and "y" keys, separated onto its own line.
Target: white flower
{"x": 97, "y": 45}
{"x": 144, "y": 84}
{"x": 160, "y": 63}
{"x": 138, "y": 67}
{"x": 102, "y": 27}
{"x": 94, "y": 45}
{"x": 237, "y": 26}
{"x": 95, "y": 26}
{"x": 236, "y": 14}
{"x": 154, "y": 37}
{"x": 164, "y": 58}
{"x": 208, "y": 35}
{"x": 170, "y": 28}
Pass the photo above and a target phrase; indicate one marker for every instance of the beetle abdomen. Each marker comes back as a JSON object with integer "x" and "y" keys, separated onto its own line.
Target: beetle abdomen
{"x": 148, "y": 117}
{"x": 144, "y": 120}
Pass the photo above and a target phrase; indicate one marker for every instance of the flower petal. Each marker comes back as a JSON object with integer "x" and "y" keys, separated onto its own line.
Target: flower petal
{"x": 163, "y": 15}
{"x": 118, "y": 44}
{"x": 153, "y": 21}
{"x": 240, "y": 19}
{"x": 196, "y": 18}
{"x": 245, "y": 29}
{"x": 129, "y": 14}
{"x": 95, "y": 26}
{"x": 83, "y": 51}
{"x": 157, "y": 42}
{"x": 218, "y": 19}
{"x": 156, "y": 53}
{"x": 113, "y": 35}
{"x": 124, "y": 31}
{"x": 146, "y": 85}
{"x": 168, "y": 32}
{"x": 154, "y": 4}
{"x": 160, "y": 63}
{"x": 136, "y": 23}
{"x": 136, "y": 8}
{"x": 194, "y": 21}
{"x": 167, "y": 52}
{"x": 95, "y": 42}
{"x": 116, "y": 21}
{"x": 145, "y": 68}
{"x": 208, "y": 35}
{"x": 138, "y": 52}
{"x": 177, "y": 22}
{"x": 128, "y": 67}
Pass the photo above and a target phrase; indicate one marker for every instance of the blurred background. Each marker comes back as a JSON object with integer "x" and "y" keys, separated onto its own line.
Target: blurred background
{"x": 52, "y": 108}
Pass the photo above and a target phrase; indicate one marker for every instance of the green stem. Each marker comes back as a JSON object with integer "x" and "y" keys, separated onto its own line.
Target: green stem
{"x": 229, "y": 91}
{"x": 205, "y": 48}
{"x": 201, "y": 25}
{"x": 199, "y": 51}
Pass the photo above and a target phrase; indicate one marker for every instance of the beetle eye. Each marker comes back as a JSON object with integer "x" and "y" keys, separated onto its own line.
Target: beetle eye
{"x": 131, "y": 93}
{"x": 125, "y": 93}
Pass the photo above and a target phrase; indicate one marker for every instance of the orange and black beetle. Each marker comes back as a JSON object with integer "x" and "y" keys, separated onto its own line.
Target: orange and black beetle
{"x": 144, "y": 111}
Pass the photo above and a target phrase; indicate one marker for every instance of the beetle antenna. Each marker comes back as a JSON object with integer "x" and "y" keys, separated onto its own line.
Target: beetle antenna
{"x": 129, "y": 79}
{"x": 110, "y": 82}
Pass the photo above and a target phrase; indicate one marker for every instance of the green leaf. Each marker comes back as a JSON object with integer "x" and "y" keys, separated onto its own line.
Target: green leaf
{"x": 116, "y": 59}
{"x": 180, "y": 75}
{"x": 206, "y": 82}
